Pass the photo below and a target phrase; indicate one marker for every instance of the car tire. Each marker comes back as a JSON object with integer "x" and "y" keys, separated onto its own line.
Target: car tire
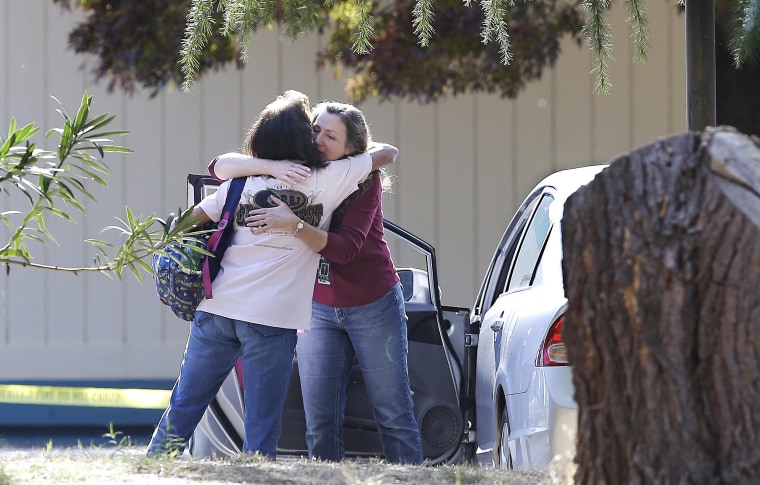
{"x": 504, "y": 455}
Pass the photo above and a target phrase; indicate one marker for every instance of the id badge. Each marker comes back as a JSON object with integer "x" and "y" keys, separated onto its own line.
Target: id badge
{"x": 323, "y": 273}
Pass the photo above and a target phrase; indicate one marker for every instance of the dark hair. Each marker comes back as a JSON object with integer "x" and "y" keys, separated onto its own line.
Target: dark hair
{"x": 357, "y": 130}
{"x": 282, "y": 131}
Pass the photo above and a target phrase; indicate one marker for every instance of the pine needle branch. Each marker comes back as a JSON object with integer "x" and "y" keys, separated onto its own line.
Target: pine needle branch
{"x": 745, "y": 41}
{"x": 197, "y": 32}
{"x": 363, "y": 31}
{"x": 422, "y": 20}
{"x": 495, "y": 26}
{"x": 299, "y": 16}
{"x": 243, "y": 18}
{"x": 598, "y": 35}
{"x": 639, "y": 22}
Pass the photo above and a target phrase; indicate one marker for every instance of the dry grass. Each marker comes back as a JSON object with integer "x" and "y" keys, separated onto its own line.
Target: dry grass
{"x": 101, "y": 466}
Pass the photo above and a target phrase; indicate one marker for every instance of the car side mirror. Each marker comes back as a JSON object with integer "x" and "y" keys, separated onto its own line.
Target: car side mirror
{"x": 414, "y": 284}
{"x": 407, "y": 283}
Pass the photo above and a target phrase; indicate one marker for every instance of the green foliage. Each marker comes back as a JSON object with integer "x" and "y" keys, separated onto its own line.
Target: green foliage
{"x": 745, "y": 41}
{"x": 639, "y": 21}
{"x": 423, "y": 21}
{"x": 241, "y": 18}
{"x": 456, "y": 60}
{"x": 363, "y": 27}
{"x": 495, "y": 26}
{"x": 390, "y": 48}
{"x": 382, "y": 46}
{"x": 52, "y": 181}
{"x": 598, "y": 35}
{"x": 5, "y": 478}
{"x": 137, "y": 43}
{"x": 117, "y": 439}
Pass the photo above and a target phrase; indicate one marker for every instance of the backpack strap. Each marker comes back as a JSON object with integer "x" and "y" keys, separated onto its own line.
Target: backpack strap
{"x": 223, "y": 231}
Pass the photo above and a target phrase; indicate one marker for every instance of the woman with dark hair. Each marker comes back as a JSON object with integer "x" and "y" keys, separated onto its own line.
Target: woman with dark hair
{"x": 358, "y": 308}
{"x": 260, "y": 297}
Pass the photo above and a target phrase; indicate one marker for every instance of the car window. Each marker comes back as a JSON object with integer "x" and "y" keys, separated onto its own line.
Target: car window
{"x": 496, "y": 276}
{"x": 531, "y": 246}
{"x": 539, "y": 274}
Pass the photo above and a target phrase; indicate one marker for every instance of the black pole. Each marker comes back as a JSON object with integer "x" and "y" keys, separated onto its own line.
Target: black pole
{"x": 700, "y": 64}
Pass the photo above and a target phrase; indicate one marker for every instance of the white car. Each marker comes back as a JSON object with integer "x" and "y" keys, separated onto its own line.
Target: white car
{"x": 525, "y": 410}
{"x": 492, "y": 384}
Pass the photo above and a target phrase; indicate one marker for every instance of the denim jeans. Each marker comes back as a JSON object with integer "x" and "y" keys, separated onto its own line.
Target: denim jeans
{"x": 376, "y": 335}
{"x": 214, "y": 345}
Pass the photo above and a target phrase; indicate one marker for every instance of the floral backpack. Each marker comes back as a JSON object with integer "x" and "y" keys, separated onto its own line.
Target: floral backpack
{"x": 183, "y": 277}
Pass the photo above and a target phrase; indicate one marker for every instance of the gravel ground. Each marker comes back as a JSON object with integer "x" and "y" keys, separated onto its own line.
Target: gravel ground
{"x": 127, "y": 465}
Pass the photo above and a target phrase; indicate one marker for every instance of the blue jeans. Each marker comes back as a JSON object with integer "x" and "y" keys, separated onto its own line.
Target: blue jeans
{"x": 376, "y": 335}
{"x": 214, "y": 345}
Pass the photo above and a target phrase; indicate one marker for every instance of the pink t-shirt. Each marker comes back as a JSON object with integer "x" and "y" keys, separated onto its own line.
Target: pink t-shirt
{"x": 269, "y": 278}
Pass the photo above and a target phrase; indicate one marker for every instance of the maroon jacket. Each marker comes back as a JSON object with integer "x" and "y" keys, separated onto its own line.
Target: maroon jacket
{"x": 360, "y": 266}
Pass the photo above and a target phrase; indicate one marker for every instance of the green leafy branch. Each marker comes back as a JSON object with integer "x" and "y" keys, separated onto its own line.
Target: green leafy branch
{"x": 745, "y": 42}
{"x": 243, "y": 17}
{"x": 52, "y": 181}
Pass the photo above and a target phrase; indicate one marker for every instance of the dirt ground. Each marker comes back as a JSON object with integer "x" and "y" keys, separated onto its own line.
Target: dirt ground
{"x": 96, "y": 466}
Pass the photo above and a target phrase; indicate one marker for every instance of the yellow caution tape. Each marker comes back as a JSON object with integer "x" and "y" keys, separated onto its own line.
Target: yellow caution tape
{"x": 85, "y": 396}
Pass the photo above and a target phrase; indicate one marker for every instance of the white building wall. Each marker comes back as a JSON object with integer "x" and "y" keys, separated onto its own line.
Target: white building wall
{"x": 465, "y": 165}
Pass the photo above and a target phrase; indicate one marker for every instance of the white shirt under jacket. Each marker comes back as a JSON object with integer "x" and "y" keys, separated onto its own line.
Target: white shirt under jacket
{"x": 269, "y": 278}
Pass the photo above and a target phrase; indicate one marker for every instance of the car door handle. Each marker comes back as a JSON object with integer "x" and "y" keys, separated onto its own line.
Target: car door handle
{"x": 497, "y": 326}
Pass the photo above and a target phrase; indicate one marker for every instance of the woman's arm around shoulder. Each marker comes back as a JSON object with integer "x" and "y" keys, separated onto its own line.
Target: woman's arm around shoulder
{"x": 382, "y": 154}
{"x": 231, "y": 165}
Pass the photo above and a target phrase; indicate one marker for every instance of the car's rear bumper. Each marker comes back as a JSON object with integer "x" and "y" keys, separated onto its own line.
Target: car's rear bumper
{"x": 543, "y": 420}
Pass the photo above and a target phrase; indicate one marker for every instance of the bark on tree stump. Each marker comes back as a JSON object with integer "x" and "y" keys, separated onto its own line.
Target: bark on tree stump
{"x": 662, "y": 274}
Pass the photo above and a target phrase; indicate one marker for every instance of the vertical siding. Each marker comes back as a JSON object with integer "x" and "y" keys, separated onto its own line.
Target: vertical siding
{"x": 649, "y": 111}
{"x": 63, "y": 292}
{"x": 26, "y": 74}
{"x": 572, "y": 93}
{"x": 383, "y": 120}
{"x": 297, "y": 64}
{"x": 611, "y": 121}
{"x": 465, "y": 165}
{"x": 415, "y": 168}
{"x": 4, "y": 120}
{"x": 106, "y": 302}
{"x": 455, "y": 193}
{"x": 261, "y": 78}
{"x": 141, "y": 323}
{"x": 181, "y": 149}
{"x": 535, "y": 133}
{"x": 4, "y": 51}
{"x": 221, "y": 128}
{"x": 495, "y": 193}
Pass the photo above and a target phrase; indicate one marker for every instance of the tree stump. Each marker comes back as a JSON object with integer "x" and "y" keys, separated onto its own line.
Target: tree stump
{"x": 662, "y": 274}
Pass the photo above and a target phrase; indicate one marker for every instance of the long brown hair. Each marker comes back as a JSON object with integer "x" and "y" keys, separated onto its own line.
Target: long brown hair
{"x": 358, "y": 137}
{"x": 385, "y": 181}
{"x": 357, "y": 130}
{"x": 282, "y": 131}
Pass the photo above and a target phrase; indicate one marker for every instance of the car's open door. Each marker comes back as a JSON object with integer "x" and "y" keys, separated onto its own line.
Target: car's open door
{"x": 437, "y": 351}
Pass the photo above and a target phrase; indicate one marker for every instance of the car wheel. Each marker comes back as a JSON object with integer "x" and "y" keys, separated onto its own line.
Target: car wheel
{"x": 505, "y": 456}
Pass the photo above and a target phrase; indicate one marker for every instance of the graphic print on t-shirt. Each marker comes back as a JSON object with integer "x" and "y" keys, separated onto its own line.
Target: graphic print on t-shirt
{"x": 299, "y": 203}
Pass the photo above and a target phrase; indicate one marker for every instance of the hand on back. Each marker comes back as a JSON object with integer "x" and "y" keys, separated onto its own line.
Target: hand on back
{"x": 274, "y": 219}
